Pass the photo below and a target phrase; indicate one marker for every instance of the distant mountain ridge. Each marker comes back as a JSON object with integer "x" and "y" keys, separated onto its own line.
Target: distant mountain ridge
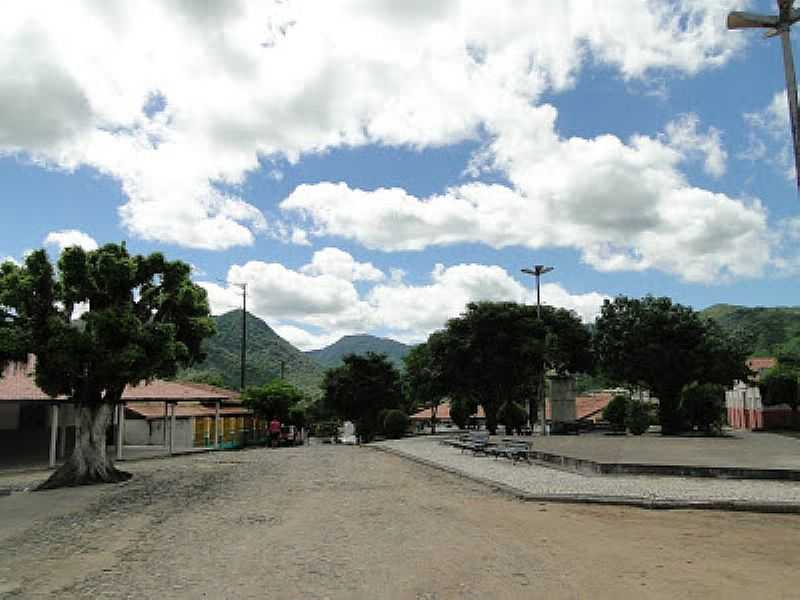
{"x": 331, "y": 356}
{"x": 266, "y": 350}
{"x": 771, "y": 328}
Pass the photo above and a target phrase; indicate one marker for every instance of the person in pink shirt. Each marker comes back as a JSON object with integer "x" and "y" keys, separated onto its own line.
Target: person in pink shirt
{"x": 274, "y": 432}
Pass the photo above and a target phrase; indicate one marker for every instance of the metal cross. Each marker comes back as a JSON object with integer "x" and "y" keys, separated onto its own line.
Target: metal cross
{"x": 779, "y": 25}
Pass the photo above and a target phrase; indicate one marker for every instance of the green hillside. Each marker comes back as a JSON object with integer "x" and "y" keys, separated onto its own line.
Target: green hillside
{"x": 769, "y": 328}
{"x": 331, "y": 356}
{"x": 265, "y": 352}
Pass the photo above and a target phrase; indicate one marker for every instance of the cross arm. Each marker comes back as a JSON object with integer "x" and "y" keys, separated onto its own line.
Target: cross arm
{"x": 742, "y": 20}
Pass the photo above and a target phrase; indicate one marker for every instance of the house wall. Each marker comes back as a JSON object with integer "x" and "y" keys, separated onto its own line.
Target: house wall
{"x": 137, "y": 432}
{"x": 745, "y": 411}
{"x": 9, "y": 416}
{"x": 184, "y": 432}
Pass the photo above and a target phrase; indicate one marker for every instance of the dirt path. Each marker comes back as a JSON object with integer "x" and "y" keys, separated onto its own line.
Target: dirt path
{"x": 340, "y": 522}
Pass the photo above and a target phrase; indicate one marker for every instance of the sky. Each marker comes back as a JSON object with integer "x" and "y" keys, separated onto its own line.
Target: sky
{"x": 370, "y": 166}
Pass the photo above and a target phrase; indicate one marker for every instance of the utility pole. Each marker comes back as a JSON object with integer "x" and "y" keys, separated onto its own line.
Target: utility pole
{"x": 243, "y": 360}
{"x": 537, "y": 272}
{"x": 779, "y": 24}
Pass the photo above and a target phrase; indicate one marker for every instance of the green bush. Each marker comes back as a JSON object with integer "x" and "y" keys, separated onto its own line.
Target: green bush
{"x": 637, "y": 417}
{"x": 616, "y": 412}
{"x": 395, "y": 424}
{"x": 703, "y": 406}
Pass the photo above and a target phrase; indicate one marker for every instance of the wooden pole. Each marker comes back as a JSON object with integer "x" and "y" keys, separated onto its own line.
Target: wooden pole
{"x": 791, "y": 94}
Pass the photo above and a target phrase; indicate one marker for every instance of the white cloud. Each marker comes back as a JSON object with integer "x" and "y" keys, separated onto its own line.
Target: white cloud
{"x": 299, "y": 237}
{"x": 178, "y": 100}
{"x": 70, "y": 237}
{"x": 340, "y": 264}
{"x": 314, "y": 310}
{"x": 305, "y": 340}
{"x": 769, "y": 137}
{"x": 10, "y": 259}
{"x": 683, "y": 135}
{"x": 624, "y": 206}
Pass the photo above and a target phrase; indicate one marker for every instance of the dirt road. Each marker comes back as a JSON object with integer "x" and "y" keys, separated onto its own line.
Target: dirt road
{"x": 344, "y": 522}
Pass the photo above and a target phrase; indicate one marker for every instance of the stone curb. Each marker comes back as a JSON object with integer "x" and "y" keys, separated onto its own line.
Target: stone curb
{"x": 633, "y": 501}
{"x": 585, "y": 465}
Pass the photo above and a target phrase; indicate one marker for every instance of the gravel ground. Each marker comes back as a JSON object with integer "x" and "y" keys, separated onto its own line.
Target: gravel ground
{"x": 541, "y": 480}
{"x": 346, "y": 522}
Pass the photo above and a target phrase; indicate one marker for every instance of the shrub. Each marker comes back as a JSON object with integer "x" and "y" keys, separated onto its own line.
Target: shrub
{"x": 704, "y": 406}
{"x": 616, "y": 412}
{"x": 395, "y": 424}
{"x": 637, "y": 417}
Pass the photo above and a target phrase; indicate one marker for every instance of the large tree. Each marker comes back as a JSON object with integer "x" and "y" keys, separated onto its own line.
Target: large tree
{"x": 360, "y": 389}
{"x": 496, "y": 352}
{"x": 142, "y": 317}
{"x": 661, "y": 346}
{"x": 14, "y": 334}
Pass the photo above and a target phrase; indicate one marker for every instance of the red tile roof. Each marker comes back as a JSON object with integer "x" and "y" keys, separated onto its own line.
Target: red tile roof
{"x": 591, "y": 405}
{"x": 155, "y": 410}
{"x": 17, "y": 384}
{"x": 442, "y": 413}
{"x": 758, "y": 364}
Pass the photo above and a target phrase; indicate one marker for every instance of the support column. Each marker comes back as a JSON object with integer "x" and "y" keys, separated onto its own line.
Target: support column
{"x": 172, "y": 430}
{"x": 53, "y": 433}
{"x": 164, "y": 423}
{"x": 216, "y": 426}
{"x": 120, "y": 429}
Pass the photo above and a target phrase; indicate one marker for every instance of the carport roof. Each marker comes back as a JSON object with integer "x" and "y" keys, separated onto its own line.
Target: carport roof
{"x": 18, "y": 385}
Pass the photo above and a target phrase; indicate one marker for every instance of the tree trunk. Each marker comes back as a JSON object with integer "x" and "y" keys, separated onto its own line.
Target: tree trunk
{"x": 89, "y": 462}
{"x": 669, "y": 413}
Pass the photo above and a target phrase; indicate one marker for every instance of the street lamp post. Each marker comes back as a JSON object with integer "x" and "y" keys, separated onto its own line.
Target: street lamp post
{"x": 537, "y": 272}
{"x": 779, "y": 24}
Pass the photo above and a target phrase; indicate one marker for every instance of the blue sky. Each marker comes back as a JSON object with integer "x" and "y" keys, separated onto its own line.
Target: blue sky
{"x": 370, "y": 166}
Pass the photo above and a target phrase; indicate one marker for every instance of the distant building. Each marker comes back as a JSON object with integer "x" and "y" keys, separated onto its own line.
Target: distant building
{"x": 743, "y": 402}
{"x": 422, "y": 419}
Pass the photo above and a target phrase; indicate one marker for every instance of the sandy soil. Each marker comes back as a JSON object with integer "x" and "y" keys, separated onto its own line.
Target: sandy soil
{"x": 343, "y": 522}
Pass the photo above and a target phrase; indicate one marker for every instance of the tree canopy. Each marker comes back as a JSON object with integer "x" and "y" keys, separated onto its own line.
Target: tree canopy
{"x": 141, "y": 317}
{"x": 661, "y": 346}
{"x": 360, "y": 389}
{"x": 274, "y": 399}
{"x": 495, "y": 352}
{"x": 14, "y": 333}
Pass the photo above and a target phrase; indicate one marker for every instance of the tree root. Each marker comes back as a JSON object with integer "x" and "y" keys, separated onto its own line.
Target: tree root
{"x": 70, "y": 474}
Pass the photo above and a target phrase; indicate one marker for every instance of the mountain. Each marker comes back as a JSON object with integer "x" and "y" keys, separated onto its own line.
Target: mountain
{"x": 769, "y": 327}
{"x": 265, "y": 352}
{"x": 331, "y": 356}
